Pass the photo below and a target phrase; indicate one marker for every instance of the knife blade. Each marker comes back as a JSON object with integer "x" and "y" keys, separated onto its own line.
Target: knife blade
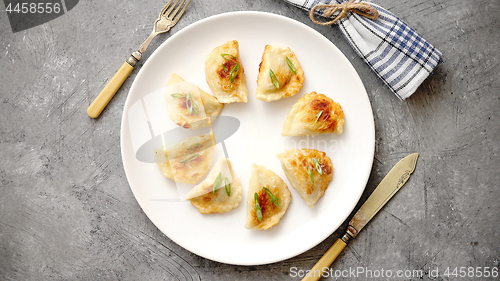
{"x": 391, "y": 183}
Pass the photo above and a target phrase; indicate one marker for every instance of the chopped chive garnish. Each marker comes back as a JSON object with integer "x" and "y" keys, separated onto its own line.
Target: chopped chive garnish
{"x": 217, "y": 182}
{"x": 310, "y": 174}
{"x": 177, "y": 95}
{"x": 290, "y": 64}
{"x": 190, "y": 158}
{"x": 318, "y": 116}
{"x": 318, "y": 166}
{"x": 194, "y": 145}
{"x": 274, "y": 79}
{"x": 258, "y": 210}
{"x": 189, "y": 103}
{"x": 274, "y": 199}
{"x": 234, "y": 72}
{"x": 228, "y": 56}
{"x": 195, "y": 108}
{"x": 228, "y": 186}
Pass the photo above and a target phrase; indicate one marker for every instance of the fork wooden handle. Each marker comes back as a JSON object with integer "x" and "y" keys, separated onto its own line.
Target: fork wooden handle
{"x": 100, "y": 102}
{"x": 324, "y": 263}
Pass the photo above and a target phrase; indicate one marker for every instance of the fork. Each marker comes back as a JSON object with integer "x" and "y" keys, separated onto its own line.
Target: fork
{"x": 168, "y": 17}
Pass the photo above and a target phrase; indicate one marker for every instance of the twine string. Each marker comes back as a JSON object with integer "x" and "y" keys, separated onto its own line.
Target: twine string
{"x": 329, "y": 10}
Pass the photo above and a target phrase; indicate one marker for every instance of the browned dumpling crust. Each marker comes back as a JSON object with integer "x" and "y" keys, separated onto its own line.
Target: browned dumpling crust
{"x": 314, "y": 114}
{"x": 271, "y": 214}
{"x": 280, "y": 74}
{"x": 309, "y": 171}
{"x": 225, "y": 73}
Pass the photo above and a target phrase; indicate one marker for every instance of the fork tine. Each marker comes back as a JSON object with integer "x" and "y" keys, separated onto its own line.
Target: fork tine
{"x": 165, "y": 8}
{"x": 176, "y": 10}
{"x": 167, "y": 13}
{"x": 182, "y": 12}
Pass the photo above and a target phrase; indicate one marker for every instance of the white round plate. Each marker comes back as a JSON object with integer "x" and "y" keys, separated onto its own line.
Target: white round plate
{"x": 223, "y": 237}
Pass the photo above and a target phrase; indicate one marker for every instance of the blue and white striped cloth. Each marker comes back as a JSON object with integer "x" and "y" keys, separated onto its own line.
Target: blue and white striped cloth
{"x": 397, "y": 54}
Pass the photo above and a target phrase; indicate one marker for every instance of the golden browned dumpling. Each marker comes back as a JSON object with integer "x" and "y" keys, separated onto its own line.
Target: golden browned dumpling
{"x": 280, "y": 74}
{"x": 227, "y": 193}
{"x": 314, "y": 114}
{"x": 189, "y": 106}
{"x": 309, "y": 171}
{"x": 273, "y": 199}
{"x": 225, "y": 73}
{"x": 187, "y": 161}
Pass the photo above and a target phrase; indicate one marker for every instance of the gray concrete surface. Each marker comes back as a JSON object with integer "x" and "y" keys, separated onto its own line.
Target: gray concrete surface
{"x": 67, "y": 212}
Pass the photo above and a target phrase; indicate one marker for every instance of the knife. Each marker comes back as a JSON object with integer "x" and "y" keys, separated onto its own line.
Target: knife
{"x": 391, "y": 183}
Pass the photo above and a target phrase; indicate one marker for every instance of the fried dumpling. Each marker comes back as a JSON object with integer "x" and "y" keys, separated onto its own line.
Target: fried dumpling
{"x": 212, "y": 106}
{"x": 225, "y": 74}
{"x": 227, "y": 194}
{"x": 273, "y": 202}
{"x": 309, "y": 171}
{"x": 189, "y": 106}
{"x": 184, "y": 105}
{"x": 187, "y": 161}
{"x": 314, "y": 114}
{"x": 280, "y": 74}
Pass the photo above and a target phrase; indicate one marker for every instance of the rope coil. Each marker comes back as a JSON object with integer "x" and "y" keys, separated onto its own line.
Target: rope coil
{"x": 363, "y": 9}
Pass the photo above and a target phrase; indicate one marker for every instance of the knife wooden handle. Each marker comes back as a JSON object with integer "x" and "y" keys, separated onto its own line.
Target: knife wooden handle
{"x": 324, "y": 263}
{"x": 109, "y": 90}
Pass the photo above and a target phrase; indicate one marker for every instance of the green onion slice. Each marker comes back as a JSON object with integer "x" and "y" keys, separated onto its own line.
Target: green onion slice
{"x": 190, "y": 158}
{"x": 177, "y": 95}
{"x": 195, "y": 108}
{"x": 274, "y": 79}
{"x": 274, "y": 199}
{"x": 189, "y": 103}
{"x": 310, "y": 174}
{"x": 228, "y": 56}
{"x": 194, "y": 145}
{"x": 318, "y": 166}
{"x": 217, "y": 182}
{"x": 234, "y": 72}
{"x": 228, "y": 186}
{"x": 290, "y": 64}
{"x": 258, "y": 210}
{"x": 318, "y": 116}
{"x": 225, "y": 67}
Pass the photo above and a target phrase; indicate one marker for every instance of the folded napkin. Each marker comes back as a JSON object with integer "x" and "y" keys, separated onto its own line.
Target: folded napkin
{"x": 393, "y": 50}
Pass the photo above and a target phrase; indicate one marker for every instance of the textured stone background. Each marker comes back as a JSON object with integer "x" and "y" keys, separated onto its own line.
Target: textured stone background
{"x": 67, "y": 212}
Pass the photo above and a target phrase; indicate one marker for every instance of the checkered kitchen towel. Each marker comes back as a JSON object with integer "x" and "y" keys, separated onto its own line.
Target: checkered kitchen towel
{"x": 399, "y": 56}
